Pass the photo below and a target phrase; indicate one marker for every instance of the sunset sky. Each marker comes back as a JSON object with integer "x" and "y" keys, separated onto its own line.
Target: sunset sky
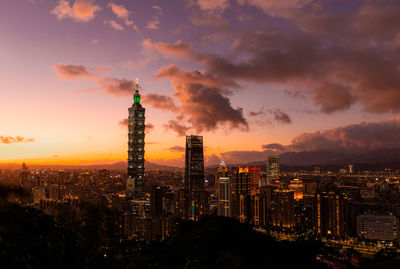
{"x": 254, "y": 77}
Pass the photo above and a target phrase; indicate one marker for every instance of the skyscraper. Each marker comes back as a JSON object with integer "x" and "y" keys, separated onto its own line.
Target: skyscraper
{"x": 196, "y": 197}
{"x": 224, "y": 197}
{"x": 136, "y": 181}
{"x": 221, "y": 172}
{"x": 272, "y": 168}
{"x": 194, "y": 163}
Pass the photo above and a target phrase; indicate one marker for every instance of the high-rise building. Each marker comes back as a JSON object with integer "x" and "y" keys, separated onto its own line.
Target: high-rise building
{"x": 272, "y": 168}
{"x": 254, "y": 176}
{"x": 194, "y": 163}
{"x": 283, "y": 208}
{"x": 241, "y": 187}
{"x": 224, "y": 197}
{"x": 196, "y": 197}
{"x": 331, "y": 214}
{"x": 135, "y": 185}
{"x": 221, "y": 172}
{"x": 156, "y": 201}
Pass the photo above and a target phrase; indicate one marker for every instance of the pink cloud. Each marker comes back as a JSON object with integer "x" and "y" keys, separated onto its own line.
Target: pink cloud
{"x": 80, "y": 10}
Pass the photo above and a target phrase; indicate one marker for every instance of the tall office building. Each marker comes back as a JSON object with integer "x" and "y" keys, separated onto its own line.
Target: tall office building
{"x": 194, "y": 163}
{"x": 272, "y": 168}
{"x": 283, "y": 208}
{"x": 221, "y": 172}
{"x": 241, "y": 187}
{"x": 136, "y": 182}
{"x": 331, "y": 214}
{"x": 196, "y": 197}
{"x": 224, "y": 197}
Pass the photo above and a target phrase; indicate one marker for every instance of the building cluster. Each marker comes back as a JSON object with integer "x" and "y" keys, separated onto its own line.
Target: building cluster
{"x": 150, "y": 204}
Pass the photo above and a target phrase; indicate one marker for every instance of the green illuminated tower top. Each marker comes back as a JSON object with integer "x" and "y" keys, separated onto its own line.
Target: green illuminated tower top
{"x": 136, "y": 96}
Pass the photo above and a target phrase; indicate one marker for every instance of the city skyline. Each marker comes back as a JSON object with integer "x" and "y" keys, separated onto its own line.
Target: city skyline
{"x": 69, "y": 68}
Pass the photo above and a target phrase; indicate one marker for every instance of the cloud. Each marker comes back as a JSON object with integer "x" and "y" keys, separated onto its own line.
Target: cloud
{"x": 277, "y": 8}
{"x": 117, "y": 87}
{"x": 338, "y": 59}
{"x": 122, "y": 13}
{"x": 353, "y": 138}
{"x": 160, "y": 102}
{"x": 281, "y": 116}
{"x": 114, "y": 24}
{"x": 148, "y": 127}
{"x": 154, "y": 23}
{"x": 15, "y": 139}
{"x": 177, "y": 149}
{"x": 273, "y": 147}
{"x": 203, "y": 100}
{"x": 211, "y": 160}
{"x": 263, "y": 116}
{"x": 79, "y": 11}
{"x": 102, "y": 69}
{"x": 70, "y": 71}
{"x": 215, "y": 6}
{"x": 175, "y": 126}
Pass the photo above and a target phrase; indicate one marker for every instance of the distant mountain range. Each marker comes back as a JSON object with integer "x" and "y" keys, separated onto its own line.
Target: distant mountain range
{"x": 374, "y": 160}
{"x": 115, "y": 166}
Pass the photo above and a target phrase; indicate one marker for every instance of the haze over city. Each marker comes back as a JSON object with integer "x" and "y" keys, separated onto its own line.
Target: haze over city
{"x": 254, "y": 78}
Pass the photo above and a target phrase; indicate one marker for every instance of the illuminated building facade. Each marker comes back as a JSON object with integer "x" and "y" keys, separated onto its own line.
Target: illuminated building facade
{"x": 241, "y": 186}
{"x": 221, "y": 172}
{"x": 272, "y": 168}
{"x": 254, "y": 176}
{"x": 224, "y": 197}
{"x": 283, "y": 208}
{"x": 135, "y": 186}
{"x": 331, "y": 214}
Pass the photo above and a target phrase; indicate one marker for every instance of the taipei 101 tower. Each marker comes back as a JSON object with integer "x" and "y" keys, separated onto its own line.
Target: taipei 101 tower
{"x": 135, "y": 185}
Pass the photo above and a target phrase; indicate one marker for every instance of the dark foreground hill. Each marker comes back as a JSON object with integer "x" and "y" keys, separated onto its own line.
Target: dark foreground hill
{"x": 30, "y": 239}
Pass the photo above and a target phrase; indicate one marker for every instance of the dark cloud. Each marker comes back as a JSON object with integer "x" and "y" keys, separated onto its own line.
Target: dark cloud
{"x": 160, "y": 102}
{"x": 263, "y": 116}
{"x": 204, "y": 104}
{"x": 273, "y": 147}
{"x": 149, "y": 127}
{"x": 177, "y": 149}
{"x": 15, "y": 139}
{"x": 353, "y": 138}
{"x": 116, "y": 86}
{"x": 256, "y": 113}
{"x": 173, "y": 125}
{"x": 340, "y": 59}
{"x": 281, "y": 116}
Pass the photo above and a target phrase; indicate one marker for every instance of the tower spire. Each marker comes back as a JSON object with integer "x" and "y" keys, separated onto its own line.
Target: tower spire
{"x": 136, "y": 96}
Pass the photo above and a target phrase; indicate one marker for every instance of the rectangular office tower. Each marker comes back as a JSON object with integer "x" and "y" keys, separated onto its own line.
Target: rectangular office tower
{"x": 197, "y": 202}
{"x": 136, "y": 182}
{"x": 194, "y": 163}
{"x": 224, "y": 197}
{"x": 272, "y": 168}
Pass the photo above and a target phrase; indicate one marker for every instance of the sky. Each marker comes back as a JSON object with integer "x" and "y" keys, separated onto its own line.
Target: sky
{"x": 253, "y": 77}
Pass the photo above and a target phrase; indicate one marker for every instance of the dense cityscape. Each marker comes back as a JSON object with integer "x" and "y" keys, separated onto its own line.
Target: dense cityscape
{"x": 355, "y": 214}
{"x": 257, "y": 134}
